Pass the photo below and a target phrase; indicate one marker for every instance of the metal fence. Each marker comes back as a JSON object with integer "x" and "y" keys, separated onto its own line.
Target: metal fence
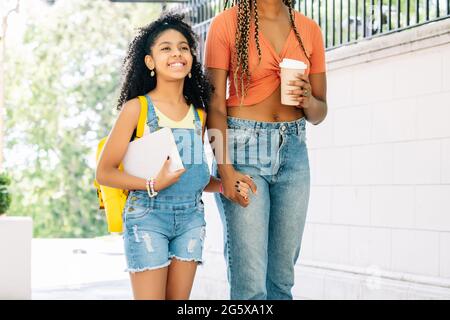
{"x": 342, "y": 21}
{"x": 345, "y": 21}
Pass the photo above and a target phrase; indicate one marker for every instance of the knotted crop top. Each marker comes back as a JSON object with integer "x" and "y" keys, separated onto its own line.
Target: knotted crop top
{"x": 220, "y": 48}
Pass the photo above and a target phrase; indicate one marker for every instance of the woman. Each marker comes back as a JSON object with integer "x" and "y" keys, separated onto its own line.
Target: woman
{"x": 266, "y": 139}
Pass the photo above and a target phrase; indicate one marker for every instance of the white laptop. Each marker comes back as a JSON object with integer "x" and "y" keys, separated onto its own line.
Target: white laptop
{"x": 146, "y": 155}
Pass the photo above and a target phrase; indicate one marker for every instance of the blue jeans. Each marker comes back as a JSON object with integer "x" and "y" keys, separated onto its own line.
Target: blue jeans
{"x": 262, "y": 241}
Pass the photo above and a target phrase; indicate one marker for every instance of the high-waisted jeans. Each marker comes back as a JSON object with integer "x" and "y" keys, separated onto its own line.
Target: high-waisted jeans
{"x": 262, "y": 241}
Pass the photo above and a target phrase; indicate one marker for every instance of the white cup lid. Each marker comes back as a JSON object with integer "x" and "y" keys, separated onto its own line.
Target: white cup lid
{"x": 293, "y": 64}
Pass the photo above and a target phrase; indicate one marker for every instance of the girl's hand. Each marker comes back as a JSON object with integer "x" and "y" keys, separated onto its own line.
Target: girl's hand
{"x": 165, "y": 177}
{"x": 303, "y": 92}
{"x": 238, "y": 194}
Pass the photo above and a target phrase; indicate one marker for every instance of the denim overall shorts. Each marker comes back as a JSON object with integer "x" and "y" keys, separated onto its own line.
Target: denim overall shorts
{"x": 172, "y": 224}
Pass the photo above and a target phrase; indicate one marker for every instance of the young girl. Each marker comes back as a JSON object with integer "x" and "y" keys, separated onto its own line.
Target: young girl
{"x": 164, "y": 225}
{"x": 245, "y": 45}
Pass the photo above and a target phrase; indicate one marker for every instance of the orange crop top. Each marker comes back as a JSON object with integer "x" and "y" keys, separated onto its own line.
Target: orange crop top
{"x": 220, "y": 47}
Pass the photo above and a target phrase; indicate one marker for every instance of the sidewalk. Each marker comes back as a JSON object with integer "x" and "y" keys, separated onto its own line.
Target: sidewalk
{"x": 94, "y": 268}
{"x": 98, "y": 273}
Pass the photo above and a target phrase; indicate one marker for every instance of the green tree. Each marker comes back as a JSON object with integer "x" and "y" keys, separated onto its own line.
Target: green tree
{"x": 61, "y": 86}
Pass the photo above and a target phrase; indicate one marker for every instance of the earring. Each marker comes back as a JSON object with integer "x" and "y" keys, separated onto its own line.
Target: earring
{"x": 189, "y": 75}
{"x": 152, "y": 73}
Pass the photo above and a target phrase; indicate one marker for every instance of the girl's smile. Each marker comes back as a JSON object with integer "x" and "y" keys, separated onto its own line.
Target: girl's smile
{"x": 178, "y": 65}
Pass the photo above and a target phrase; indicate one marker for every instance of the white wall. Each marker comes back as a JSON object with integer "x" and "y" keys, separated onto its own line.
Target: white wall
{"x": 15, "y": 257}
{"x": 380, "y": 163}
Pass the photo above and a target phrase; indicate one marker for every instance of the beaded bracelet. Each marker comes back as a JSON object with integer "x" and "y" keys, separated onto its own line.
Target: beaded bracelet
{"x": 150, "y": 184}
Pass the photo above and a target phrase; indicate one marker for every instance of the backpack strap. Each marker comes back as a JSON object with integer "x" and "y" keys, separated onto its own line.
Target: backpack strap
{"x": 201, "y": 115}
{"x": 142, "y": 117}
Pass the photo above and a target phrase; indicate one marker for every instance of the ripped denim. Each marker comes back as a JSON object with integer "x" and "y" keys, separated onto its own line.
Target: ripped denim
{"x": 161, "y": 228}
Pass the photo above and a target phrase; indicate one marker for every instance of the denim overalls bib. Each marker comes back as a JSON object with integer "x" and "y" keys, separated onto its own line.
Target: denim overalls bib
{"x": 190, "y": 146}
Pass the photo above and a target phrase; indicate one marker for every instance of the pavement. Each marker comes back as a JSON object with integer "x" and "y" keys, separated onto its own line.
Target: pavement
{"x": 95, "y": 268}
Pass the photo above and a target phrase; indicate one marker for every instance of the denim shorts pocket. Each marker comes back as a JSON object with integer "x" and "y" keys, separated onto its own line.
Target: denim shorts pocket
{"x": 133, "y": 213}
{"x": 138, "y": 199}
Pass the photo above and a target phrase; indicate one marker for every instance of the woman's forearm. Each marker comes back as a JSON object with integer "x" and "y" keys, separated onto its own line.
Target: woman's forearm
{"x": 316, "y": 111}
{"x": 217, "y": 133}
{"x": 213, "y": 185}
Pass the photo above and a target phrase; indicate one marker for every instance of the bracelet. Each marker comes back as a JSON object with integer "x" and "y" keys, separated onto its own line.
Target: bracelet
{"x": 147, "y": 185}
{"x": 221, "y": 188}
{"x": 150, "y": 185}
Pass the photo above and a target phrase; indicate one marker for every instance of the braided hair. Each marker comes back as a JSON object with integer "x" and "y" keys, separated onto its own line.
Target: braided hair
{"x": 136, "y": 76}
{"x": 242, "y": 73}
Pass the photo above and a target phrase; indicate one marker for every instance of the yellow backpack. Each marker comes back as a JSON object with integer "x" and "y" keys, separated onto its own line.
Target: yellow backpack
{"x": 113, "y": 200}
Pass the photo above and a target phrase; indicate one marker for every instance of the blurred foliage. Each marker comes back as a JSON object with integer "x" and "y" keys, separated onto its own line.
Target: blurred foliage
{"x": 62, "y": 81}
{"x": 5, "y": 196}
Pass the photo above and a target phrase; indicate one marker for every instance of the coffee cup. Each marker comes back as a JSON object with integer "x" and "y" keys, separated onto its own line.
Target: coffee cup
{"x": 289, "y": 70}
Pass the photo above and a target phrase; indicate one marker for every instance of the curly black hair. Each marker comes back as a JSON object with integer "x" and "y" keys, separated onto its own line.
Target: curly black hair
{"x": 136, "y": 76}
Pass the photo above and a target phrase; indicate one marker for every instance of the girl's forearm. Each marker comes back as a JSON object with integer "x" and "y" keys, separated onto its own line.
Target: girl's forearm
{"x": 115, "y": 178}
{"x": 213, "y": 185}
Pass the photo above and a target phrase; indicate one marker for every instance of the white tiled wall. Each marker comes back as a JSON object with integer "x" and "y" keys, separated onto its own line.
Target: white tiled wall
{"x": 417, "y": 162}
{"x": 394, "y": 121}
{"x": 415, "y": 251}
{"x": 331, "y": 243}
{"x": 320, "y": 204}
{"x": 381, "y": 181}
{"x": 351, "y": 205}
{"x": 445, "y": 161}
{"x": 352, "y": 126}
{"x": 444, "y": 269}
{"x": 433, "y": 115}
{"x": 392, "y": 206}
{"x": 433, "y": 207}
{"x": 370, "y": 247}
{"x": 413, "y": 77}
{"x": 372, "y": 164}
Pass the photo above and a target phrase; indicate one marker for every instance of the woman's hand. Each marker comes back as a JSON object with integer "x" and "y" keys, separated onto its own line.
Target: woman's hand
{"x": 165, "y": 177}
{"x": 236, "y": 187}
{"x": 303, "y": 93}
{"x": 242, "y": 188}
